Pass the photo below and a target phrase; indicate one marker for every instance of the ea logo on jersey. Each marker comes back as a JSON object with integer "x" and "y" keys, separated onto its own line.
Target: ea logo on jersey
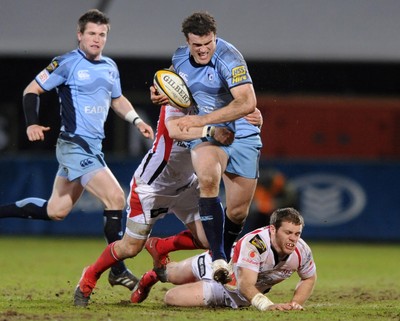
{"x": 329, "y": 199}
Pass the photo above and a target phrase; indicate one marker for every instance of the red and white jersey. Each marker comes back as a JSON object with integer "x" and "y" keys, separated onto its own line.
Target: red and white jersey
{"x": 167, "y": 166}
{"x": 253, "y": 251}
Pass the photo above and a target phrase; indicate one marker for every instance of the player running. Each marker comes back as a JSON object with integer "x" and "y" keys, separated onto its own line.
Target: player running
{"x": 88, "y": 85}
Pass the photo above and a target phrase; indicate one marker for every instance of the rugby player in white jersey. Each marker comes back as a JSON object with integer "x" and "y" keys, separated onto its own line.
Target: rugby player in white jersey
{"x": 260, "y": 260}
{"x": 163, "y": 183}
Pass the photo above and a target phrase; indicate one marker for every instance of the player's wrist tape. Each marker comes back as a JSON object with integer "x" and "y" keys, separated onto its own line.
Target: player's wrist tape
{"x": 30, "y": 104}
{"x": 261, "y": 302}
{"x": 208, "y": 131}
{"x": 132, "y": 117}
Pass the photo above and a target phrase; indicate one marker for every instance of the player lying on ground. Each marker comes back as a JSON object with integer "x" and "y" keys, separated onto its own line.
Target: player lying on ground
{"x": 260, "y": 259}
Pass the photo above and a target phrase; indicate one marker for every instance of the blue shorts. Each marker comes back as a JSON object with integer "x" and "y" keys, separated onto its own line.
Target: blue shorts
{"x": 243, "y": 155}
{"x": 78, "y": 156}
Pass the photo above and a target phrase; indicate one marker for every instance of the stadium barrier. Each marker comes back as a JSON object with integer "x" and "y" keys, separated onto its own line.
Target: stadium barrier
{"x": 340, "y": 200}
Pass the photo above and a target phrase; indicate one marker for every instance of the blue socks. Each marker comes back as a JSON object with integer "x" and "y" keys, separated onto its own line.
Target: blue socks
{"x": 231, "y": 233}
{"x": 28, "y": 208}
{"x": 113, "y": 232}
{"x": 212, "y": 216}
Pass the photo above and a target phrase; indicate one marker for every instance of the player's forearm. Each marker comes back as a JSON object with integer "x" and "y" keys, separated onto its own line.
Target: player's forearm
{"x": 246, "y": 283}
{"x": 124, "y": 109}
{"x": 232, "y": 112}
{"x": 31, "y": 103}
{"x": 121, "y": 106}
{"x": 303, "y": 290}
{"x": 192, "y": 133}
{"x": 244, "y": 102}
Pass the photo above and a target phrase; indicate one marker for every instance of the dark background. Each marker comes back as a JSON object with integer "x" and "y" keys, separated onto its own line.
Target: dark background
{"x": 340, "y": 80}
{"x": 314, "y": 63}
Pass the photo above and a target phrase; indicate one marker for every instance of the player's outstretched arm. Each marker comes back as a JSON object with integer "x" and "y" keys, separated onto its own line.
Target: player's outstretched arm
{"x": 124, "y": 109}
{"x": 304, "y": 289}
{"x": 244, "y": 103}
{"x": 221, "y": 134}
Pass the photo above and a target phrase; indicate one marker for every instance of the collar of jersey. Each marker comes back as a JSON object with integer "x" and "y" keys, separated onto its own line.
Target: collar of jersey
{"x": 92, "y": 61}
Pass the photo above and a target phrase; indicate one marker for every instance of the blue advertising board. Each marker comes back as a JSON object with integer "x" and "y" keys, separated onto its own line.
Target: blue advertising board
{"x": 339, "y": 200}
{"x": 347, "y": 200}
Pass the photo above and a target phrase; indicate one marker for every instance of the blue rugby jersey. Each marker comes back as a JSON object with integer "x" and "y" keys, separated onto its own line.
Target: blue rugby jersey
{"x": 85, "y": 89}
{"x": 210, "y": 84}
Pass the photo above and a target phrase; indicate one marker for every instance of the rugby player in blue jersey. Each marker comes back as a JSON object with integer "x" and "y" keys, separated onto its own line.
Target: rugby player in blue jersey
{"x": 88, "y": 84}
{"x": 218, "y": 78}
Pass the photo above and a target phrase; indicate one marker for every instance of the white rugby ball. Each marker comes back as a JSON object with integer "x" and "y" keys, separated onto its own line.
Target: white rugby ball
{"x": 174, "y": 87}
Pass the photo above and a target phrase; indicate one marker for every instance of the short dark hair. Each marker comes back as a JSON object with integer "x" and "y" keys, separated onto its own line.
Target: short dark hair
{"x": 287, "y": 214}
{"x": 95, "y": 16}
{"x": 200, "y": 24}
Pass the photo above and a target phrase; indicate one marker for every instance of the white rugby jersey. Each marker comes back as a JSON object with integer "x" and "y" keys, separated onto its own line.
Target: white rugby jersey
{"x": 167, "y": 166}
{"x": 253, "y": 251}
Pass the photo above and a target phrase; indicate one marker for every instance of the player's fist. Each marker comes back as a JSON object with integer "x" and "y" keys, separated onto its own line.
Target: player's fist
{"x": 223, "y": 135}
{"x": 36, "y": 132}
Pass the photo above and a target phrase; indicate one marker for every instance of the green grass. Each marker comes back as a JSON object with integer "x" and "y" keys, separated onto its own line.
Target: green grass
{"x": 38, "y": 276}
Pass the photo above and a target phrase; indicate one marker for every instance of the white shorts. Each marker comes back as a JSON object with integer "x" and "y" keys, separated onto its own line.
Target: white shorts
{"x": 146, "y": 206}
{"x": 214, "y": 293}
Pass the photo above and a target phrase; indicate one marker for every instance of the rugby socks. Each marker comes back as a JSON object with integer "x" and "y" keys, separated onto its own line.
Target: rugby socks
{"x": 146, "y": 282}
{"x": 231, "y": 233}
{"x": 107, "y": 259}
{"x": 181, "y": 241}
{"x": 212, "y": 217}
{"x": 29, "y": 208}
{"x": 113, "y": 232}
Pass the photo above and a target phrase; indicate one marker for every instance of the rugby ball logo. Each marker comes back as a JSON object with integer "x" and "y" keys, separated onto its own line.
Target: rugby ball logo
{"x": 174, "y": 87}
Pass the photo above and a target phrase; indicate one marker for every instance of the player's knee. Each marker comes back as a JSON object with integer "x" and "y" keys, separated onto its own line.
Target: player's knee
{"x": 134, "y": 249}
{"x": 116, "y": 200}
{"x": 58, "y": 216}
{"x": 209, "y": 189}
{"x": 57, "y": 213}
{"x": 238, "y": 214}
{"x": 129, "y": 247}
{"x": 169, "y": 297}
{"x": 209, "y": 182}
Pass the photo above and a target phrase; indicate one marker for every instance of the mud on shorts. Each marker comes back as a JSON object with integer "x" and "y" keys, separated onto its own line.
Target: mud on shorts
{"x": 146, "y": 206}
{"x": 214, "y": 293}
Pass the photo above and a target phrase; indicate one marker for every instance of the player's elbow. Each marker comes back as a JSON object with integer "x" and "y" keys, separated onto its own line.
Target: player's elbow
{"x": 170, "y": 298}
{"x": 251, "y": 106}
{"x": 247, "y": 106}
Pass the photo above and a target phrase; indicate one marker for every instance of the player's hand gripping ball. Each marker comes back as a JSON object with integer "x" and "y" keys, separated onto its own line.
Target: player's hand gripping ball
{"x": 173, "y": 86}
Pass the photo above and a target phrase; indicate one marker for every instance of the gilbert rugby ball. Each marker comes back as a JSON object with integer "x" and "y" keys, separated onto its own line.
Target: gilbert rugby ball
{"x": 173, "y": 86}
